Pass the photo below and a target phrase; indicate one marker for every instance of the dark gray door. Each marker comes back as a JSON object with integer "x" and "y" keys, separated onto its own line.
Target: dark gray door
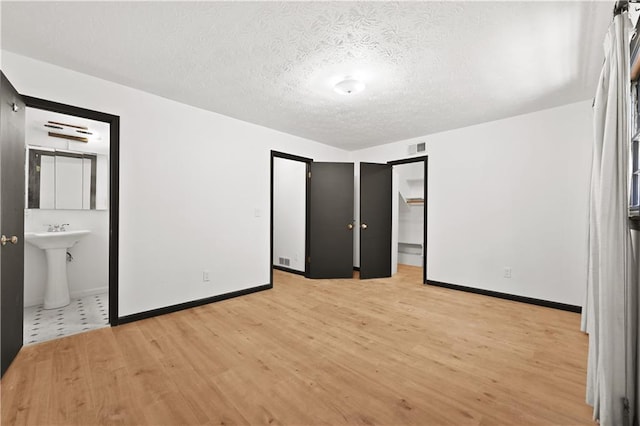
{"x": 375, "y": 220}
{"x": 331, "y": 220}
{"x": 12, "y": 124}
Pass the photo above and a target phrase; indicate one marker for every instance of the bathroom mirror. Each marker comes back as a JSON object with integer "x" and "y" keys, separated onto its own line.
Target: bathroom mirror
{"x": 66, "y": 180}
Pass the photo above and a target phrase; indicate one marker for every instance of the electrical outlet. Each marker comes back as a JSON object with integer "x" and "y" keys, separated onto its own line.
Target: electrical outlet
{"x": 205, "y": 276}
{"x": 507, "y": 272}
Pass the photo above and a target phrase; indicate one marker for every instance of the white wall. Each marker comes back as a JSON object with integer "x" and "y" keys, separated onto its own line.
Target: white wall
{"x": 289, "y": 212}
{"x": 194, "y": 194}
{"x": 509, "y": 193}
{"x": 194, "y": 187}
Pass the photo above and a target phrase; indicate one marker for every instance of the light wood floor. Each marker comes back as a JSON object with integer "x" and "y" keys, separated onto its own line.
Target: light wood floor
{"x": 388, "y": 351}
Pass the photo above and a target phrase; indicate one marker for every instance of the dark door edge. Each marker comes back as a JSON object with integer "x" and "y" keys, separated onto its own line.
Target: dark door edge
{"x": 12, "y": 330}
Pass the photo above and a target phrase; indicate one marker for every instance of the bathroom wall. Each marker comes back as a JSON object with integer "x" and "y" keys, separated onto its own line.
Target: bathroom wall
{"x": 194, "y": 187}
{"x": 508, "y": 193}
{"x": 88, "y": 272}
{"x": 36, "y": 135}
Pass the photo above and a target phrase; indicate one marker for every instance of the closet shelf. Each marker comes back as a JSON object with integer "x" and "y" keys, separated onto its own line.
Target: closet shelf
{"x": 410, "y": 248}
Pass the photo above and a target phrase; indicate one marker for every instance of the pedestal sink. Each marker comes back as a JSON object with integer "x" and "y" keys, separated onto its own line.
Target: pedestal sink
{"x": 55, "y": 245}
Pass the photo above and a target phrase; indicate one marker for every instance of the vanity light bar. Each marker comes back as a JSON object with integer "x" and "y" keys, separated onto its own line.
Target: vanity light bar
{"x": 71, "y": 137}
{"x": 53, "y": 127}
{"x": 68, "y": 125}
{"x": 65, "y": 127}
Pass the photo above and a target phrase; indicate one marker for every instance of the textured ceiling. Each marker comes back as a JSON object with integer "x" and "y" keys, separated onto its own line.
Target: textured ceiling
{"x": 428, "y": 66}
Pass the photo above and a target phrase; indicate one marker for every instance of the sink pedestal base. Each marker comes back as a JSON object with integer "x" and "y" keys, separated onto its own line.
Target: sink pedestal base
{"x": 55, "y": 245}
{"x": 56, "y": 292}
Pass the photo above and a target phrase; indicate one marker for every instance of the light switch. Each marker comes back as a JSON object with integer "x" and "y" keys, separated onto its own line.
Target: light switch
{"x": 257, "y": 212}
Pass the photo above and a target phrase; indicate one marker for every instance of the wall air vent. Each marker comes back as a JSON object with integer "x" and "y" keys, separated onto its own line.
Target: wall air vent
{"x": 284, "y": 261}
{"x": 417, "y": 148}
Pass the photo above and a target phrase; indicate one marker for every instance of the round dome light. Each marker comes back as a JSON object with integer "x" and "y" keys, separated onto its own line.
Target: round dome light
{"x": 349, "y": 86}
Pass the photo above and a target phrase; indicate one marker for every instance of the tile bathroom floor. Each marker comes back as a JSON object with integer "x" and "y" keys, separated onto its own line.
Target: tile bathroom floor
{"x": 83, "y": 314}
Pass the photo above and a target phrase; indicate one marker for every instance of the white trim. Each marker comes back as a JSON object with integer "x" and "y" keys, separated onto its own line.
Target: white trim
{"x": 72, "y": 294}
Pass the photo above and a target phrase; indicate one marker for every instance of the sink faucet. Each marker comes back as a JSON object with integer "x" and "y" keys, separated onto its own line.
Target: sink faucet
{"x": 62, "y": 227}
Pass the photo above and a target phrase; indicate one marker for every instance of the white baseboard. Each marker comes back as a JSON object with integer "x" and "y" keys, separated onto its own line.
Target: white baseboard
{"x": 410, "y": 259}
{"x": 32, "y": 302}
{"x": 89, "y": 292}
{"x": 74, "y": 295}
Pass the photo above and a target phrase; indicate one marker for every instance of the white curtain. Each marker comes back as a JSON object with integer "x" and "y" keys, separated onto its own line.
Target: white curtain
{"x": 608, "y": 315}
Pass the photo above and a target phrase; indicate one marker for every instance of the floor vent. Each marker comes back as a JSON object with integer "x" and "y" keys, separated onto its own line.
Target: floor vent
{"x": 284, "y": 261}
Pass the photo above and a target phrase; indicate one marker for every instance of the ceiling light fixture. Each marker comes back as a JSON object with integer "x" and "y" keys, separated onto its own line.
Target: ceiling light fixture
{"x": 349, "y": 86}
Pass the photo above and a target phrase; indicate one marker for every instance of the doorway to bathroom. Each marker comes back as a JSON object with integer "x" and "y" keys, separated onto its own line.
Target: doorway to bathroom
{"x": 70, "y": 220}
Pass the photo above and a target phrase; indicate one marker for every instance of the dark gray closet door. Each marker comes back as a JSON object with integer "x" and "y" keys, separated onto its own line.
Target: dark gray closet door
{"x": 331, "y": 220}
{"x": 12, "y": 124}
{"x": 375, "y": 220}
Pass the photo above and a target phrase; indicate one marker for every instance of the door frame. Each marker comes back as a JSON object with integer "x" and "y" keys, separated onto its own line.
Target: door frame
{"x": 307, "y": 161}
{"x": 424, "y": 158}
{"x": 114, "y": 182}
